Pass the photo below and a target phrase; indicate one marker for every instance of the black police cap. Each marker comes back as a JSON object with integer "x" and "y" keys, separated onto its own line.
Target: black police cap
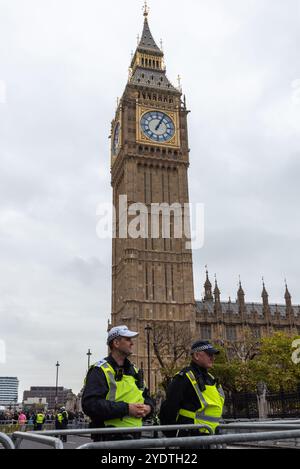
{"x": 204, "y": 346}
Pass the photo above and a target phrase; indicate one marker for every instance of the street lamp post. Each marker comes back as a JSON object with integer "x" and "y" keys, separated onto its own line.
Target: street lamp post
{"x": 148, "y": 329}
{"x": 89, "y": 358}
{"x": 56, "y": 386}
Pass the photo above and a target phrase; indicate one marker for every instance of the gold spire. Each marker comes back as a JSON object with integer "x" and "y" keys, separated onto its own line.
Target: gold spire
{"x": 146, "y": 9}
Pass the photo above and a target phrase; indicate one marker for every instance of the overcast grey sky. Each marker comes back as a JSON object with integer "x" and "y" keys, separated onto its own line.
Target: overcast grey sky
{"x": 62, "y": 65}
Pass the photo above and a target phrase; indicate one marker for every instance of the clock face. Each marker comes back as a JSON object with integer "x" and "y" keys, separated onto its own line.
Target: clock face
{"x": 116, "y": 138}
{"x": 157, "y": 126}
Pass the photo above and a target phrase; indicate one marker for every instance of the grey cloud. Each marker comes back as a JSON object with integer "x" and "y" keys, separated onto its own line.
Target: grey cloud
{"x": 87, "y": 271}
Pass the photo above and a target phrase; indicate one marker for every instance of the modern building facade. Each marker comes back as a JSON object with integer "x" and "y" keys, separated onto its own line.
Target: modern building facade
{"x": 8, "y": 390}
{"x": 47, "y": 394}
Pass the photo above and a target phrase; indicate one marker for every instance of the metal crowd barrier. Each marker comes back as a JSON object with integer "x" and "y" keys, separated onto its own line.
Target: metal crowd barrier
{"x": 260, "y": 426}
{"x": 259, "y": 421}
{"x": 47, "y": 437}
{"x": 260, "y": 431}
{"x": 10, "y": 428}
{"x": 266, "y": 426}
{"x": 18, "y": 437}
{"x": 194, "y": 442}
{"x": 6, "y": 441}
{"x": 115, "y": 431}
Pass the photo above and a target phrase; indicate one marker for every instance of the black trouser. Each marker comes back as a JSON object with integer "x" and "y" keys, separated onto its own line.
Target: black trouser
{"x": 63, "y": 438}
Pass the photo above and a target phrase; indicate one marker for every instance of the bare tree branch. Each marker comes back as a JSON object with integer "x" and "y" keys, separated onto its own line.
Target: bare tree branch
{"x": 171, "y": 344}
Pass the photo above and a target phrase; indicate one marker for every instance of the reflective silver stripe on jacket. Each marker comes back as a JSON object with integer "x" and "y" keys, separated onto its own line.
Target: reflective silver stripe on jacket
{"x": 112, "y": 383}
{"x": 206, "y": 418}
{"x": 197, "y": 389}
{"x": 221, "y": 392}
{"x": 201, "y": 415}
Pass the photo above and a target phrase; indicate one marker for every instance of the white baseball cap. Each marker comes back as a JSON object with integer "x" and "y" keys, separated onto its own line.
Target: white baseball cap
{"x": 120, "y": 331}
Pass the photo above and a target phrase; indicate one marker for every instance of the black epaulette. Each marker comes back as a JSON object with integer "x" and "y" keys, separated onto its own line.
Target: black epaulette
{"x": 184, "y": 371}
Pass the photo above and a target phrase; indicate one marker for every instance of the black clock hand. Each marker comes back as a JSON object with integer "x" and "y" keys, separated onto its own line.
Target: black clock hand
{"x": 159, "y": 124}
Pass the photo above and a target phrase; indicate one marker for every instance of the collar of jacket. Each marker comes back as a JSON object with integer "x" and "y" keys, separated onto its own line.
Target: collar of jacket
{"x": 199, "y": 369}
{"x": 203, "y": 372}
{"x": 127, "y": 367}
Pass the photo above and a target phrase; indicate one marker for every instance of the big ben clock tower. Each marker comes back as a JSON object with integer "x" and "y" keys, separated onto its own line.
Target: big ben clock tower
{"x": 152, "y": 276}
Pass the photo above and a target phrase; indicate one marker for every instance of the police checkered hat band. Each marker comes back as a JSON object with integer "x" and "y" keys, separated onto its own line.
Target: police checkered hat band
{"x": 203, "y": 346}
{"x": 120, "y": 331}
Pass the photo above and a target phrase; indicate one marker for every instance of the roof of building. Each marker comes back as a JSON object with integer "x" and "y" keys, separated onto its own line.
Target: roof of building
{"x": 151, "y": 76}
{"x": 151, "y": 79}
{"x": 147, "y": 42}
{"x": 208, "y": 305}
{"x": 250, "y": 308}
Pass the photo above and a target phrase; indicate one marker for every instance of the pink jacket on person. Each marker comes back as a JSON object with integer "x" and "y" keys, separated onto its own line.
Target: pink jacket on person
{"x": 22, "y": 419}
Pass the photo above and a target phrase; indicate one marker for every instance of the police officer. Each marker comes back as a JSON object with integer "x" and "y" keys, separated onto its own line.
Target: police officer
{"x": 39, "y": 421}
{"x": 61, "y": 422}
{"x": 114, "y": 394}
{"x": 194, "y": 397}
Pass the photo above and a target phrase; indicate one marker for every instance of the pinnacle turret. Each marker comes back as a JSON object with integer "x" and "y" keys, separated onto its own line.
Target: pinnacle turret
{"x": 241, "y": 294}
{"x": 208, "y": 288}
{"x": 287, "y": 296}
{"x": 264, "y": 295}
{"x": 217, "y": 293}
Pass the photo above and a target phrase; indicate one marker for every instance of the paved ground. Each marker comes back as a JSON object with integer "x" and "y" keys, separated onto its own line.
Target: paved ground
{"x": 72, "y": 443}
{"x": 76, "y": 441}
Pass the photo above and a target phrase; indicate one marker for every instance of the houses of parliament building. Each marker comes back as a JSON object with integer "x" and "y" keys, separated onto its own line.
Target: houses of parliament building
{"x": 225, "y": 322}
{"x": 152, "y": 278}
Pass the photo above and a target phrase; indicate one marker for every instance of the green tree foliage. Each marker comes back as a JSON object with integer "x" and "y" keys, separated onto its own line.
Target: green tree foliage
{"x": 274, "y": 363}
{"x": 251, "y": 361}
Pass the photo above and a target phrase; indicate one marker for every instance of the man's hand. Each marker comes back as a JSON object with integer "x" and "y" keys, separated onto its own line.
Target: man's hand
{"x": 147, "y": 410}
{"x": 136, "y": 410}
{"x": 139, "y": 410}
